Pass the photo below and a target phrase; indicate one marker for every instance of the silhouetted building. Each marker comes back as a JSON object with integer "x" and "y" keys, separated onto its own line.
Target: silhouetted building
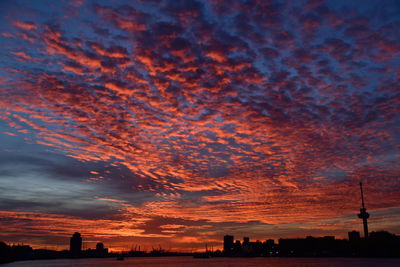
{"x": 256, "y": 248}
{"x": 99, "y": 246}
{"x": 364, "y": 215}
{"x": 75, "y": 245}
{"x": 354, "y": 236}
{"x": 100, "y": 250}
{"x": 228, "y": 244}
{"x": 270, "y": 242}
{"x": 5, "y": 253}
{"x": 237, "y": 247}
{"x": 270, "y": 248}
{"x": 311, "y": 246}
{"x": 246, "y": 247}
{"x": 15, "y": 252}
{"x": 383, "y": 244}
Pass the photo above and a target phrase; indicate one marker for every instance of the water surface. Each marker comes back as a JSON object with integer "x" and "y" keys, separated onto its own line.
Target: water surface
{"x": 217, "y": 262}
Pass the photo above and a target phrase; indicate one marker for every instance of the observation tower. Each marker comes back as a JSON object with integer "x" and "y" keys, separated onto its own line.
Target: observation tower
{"x": 364, "y": 215}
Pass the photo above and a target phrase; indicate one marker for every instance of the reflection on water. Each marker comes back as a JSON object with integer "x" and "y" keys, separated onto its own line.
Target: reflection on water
{"x": 218, "y": 262}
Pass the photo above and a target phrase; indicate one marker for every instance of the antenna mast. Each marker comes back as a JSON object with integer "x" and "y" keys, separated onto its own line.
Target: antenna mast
{"x": 364, "y": 215}
{"x": 362, "y": 195}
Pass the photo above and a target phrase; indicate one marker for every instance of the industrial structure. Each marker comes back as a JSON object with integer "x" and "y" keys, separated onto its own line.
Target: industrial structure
{"x": 364, "y": 215}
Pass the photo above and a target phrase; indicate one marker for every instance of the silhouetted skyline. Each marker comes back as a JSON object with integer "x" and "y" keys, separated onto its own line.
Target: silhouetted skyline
{"x": 378, "y": 244}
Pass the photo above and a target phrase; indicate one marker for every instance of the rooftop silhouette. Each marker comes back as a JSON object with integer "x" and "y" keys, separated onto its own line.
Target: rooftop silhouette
{"x": 378, "y": 244}
{"x": 75, "y": 245}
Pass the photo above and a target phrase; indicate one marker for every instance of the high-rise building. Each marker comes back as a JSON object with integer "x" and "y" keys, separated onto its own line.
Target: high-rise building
{"x": 270, "y": 242}
{"x": 99, "y": 246}
{"x": 354, "y": 235}
{"x": 228, "y": 244}
{"x": 100, "y": 250}
{"x": 75, "y": 244}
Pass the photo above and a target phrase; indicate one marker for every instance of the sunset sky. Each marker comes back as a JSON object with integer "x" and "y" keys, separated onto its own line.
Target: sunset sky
{"x": 175, "y": 122}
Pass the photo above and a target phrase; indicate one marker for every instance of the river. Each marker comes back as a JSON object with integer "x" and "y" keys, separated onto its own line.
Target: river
{"x": 217, "y": 262}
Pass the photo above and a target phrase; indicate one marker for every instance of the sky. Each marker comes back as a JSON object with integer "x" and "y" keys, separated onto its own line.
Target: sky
{"x": 172, "y": 123}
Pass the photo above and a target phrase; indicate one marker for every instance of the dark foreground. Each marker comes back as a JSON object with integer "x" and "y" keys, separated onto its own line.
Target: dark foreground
{"x": 220, "y": 262}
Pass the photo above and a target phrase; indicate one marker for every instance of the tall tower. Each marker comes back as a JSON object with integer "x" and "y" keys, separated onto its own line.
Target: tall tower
{"x": 228, "y": 244}
{"x": 75, "y": 245}
{"x": 364, "y": 215}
